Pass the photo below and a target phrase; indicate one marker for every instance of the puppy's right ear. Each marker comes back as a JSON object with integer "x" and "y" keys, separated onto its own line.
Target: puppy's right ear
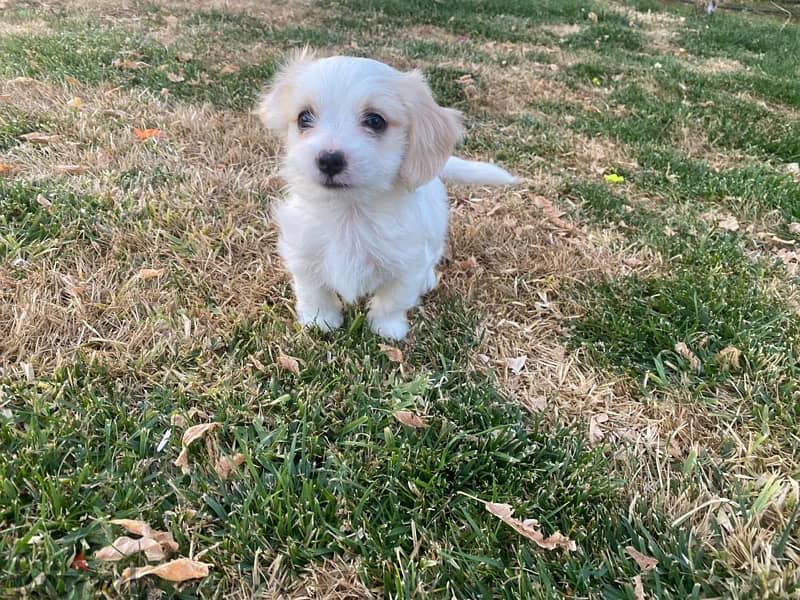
{"x": 273, "y": 107}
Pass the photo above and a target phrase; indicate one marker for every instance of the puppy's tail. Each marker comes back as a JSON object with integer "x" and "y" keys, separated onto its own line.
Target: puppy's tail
{"x": 458, "y": 170}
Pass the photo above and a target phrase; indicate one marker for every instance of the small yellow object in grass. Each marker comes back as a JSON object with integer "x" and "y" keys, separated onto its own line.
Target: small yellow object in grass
{"x": 76, "y": 102}
{"x": 614, "y": 178}
{"x": 596, "y": 81}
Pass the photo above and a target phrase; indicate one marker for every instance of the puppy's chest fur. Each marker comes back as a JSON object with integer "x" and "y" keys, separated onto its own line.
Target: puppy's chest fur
{"x": 349, "y": 249}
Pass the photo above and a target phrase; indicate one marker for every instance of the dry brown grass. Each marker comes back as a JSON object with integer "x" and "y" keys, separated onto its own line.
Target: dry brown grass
{"x": 222, "y": 165}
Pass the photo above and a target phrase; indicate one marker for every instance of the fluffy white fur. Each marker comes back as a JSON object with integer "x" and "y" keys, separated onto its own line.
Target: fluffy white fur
{"x": 378, "y": 227}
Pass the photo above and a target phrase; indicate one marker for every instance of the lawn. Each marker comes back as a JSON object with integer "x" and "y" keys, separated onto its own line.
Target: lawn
{"x": 613, "y": 350}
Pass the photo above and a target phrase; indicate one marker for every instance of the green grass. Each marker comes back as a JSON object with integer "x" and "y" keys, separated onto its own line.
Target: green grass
{"x": 29, "y": 229}
{"x": 328, "y": 470}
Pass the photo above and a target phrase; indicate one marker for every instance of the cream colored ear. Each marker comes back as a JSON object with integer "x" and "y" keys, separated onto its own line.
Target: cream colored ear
{"x": 273, "y": 106}
{"x": 432, "y": 135}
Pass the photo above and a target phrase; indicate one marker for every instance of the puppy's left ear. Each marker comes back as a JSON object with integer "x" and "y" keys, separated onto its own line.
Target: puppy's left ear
{"x": 273, "y": 106}
{"x": 432, "y": 135}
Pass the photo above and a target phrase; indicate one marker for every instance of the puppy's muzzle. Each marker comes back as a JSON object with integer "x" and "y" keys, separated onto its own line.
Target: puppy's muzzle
{"x": 331, "y": 163}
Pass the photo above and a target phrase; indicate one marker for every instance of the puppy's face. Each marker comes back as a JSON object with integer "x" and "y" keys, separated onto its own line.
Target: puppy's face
{"x": 355, "y": 125}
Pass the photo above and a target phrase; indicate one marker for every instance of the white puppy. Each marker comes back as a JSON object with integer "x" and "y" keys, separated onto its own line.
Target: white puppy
{"x": 366, "y": 213}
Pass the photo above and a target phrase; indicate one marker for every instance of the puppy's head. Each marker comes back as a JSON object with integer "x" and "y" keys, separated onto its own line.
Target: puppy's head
{"x": 354, "y": 124}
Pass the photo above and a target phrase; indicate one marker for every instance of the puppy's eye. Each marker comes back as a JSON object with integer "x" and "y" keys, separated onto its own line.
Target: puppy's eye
{"x": 375, "y": 122}
{"x": 305, "y": 119}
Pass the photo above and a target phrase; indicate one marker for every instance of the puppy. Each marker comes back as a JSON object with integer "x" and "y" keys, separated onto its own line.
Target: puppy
{"x": 366, "y": 211}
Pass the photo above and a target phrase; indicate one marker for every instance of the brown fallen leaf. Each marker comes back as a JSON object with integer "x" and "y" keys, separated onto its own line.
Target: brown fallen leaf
{"x": 392, "y": 353}
{"x": 728, "y": 358}
{"x": 794, "y": 228}
{"x": 43, "y": 201}
{"x": 288, "y": 363}
{"x": 75, "y": 102}
{"x": 638, "y": 587}
{"x": 176, "y": 77}
{"x": 180, "y": 569}
{"x": 192, "y": 434}
{"x": 143, "y": 529}
{"x": 596, "y": 434}
{"x": 529, "y": 528}
{"x": 125, "y": 546}
{"x": 70, "y": 169}
{"x": 683, "y": 350}
{"x": 72, "y": 80}
{"x": 38, "y": 137}
{"x": 645, "y": 562}
{"x": 728, "y": 223}
{"x": 146, "y": 134}
{"x": 468, "y": 265}
{"x": 6, "y": 169}
{"x": 147, "y": 273}
{"x": 128, "y": 65}
{"x": 195, "y": 432}
{"x": 410, "y": 419}
{"x": 184, "y": 56}
{"x": 229, "y": 69}
{"x": 226, "y": 464}
{"x": 5, "y": 98}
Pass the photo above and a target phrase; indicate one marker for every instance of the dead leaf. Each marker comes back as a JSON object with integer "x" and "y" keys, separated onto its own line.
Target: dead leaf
{"x": 468, "y": 265}
{"x": 226, "y": 464}
{"x": 794, "y": 228}
{"x": 516, "y": 364}
{"x": 143, "y": 529}
{"x": 529, "y": 528}
{"x": 177, "y": 420}
{"x": 410, "y": 419}
{"x": 466, "y": 79}
{"x": 184, "y": 56}
{"x": 38, "y": 137}
{"x": 195, "y": 432}
{"x": 176, "y": 77}
{"x": 146, "y": 273}
{"x": 79, "y": 562}
{"x": 229, "y": 69}
{"x": 72, "y": 80}
{"x": 70, "y": 169}
{"x": 535, "y": 404}
{"x": 42, "y": 201}
{"x": 75, "y": 102}
{"x": 728, "y": 223}
{"x": 728, "y": 358}
{"x": 793, "y": 168}
{"x": 180, "y": 569}
{"x": 596, "y": 434}
{"x": 146, "y": 134}
{"x": 638, "y": 587}
{"x": 288, "y": 363}
{"x": 553, "y": 214}
{"x": 392, "y": 353}
{"x": 125, "y": 546}
{"x": 683, "y": 350}
{"x": 6, "y": 169}
{"x": 645, "y": 562}
{"x": 128, "y": 65}
{"x": 5, "y": 98}
{"x": 183, "y": 460}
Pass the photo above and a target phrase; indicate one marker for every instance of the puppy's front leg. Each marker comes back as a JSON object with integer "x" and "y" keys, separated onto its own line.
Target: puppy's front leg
{"x": 387, "y": 309}
{"x": 317, "y": 306}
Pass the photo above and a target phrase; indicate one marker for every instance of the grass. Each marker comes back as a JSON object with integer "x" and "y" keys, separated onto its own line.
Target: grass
{"x": 608, "y": 434}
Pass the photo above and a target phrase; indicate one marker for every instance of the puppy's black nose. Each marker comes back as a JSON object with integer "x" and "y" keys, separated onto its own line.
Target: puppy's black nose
{"x": 331, "y": 163}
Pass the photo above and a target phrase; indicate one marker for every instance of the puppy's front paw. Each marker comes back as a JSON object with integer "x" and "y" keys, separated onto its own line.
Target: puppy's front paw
{"x": 322, "y": 319}
{"x": 393, "y": 327}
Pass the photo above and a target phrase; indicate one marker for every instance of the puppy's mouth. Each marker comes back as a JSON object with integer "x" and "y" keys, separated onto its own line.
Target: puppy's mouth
{"x": 330, "y": 184}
